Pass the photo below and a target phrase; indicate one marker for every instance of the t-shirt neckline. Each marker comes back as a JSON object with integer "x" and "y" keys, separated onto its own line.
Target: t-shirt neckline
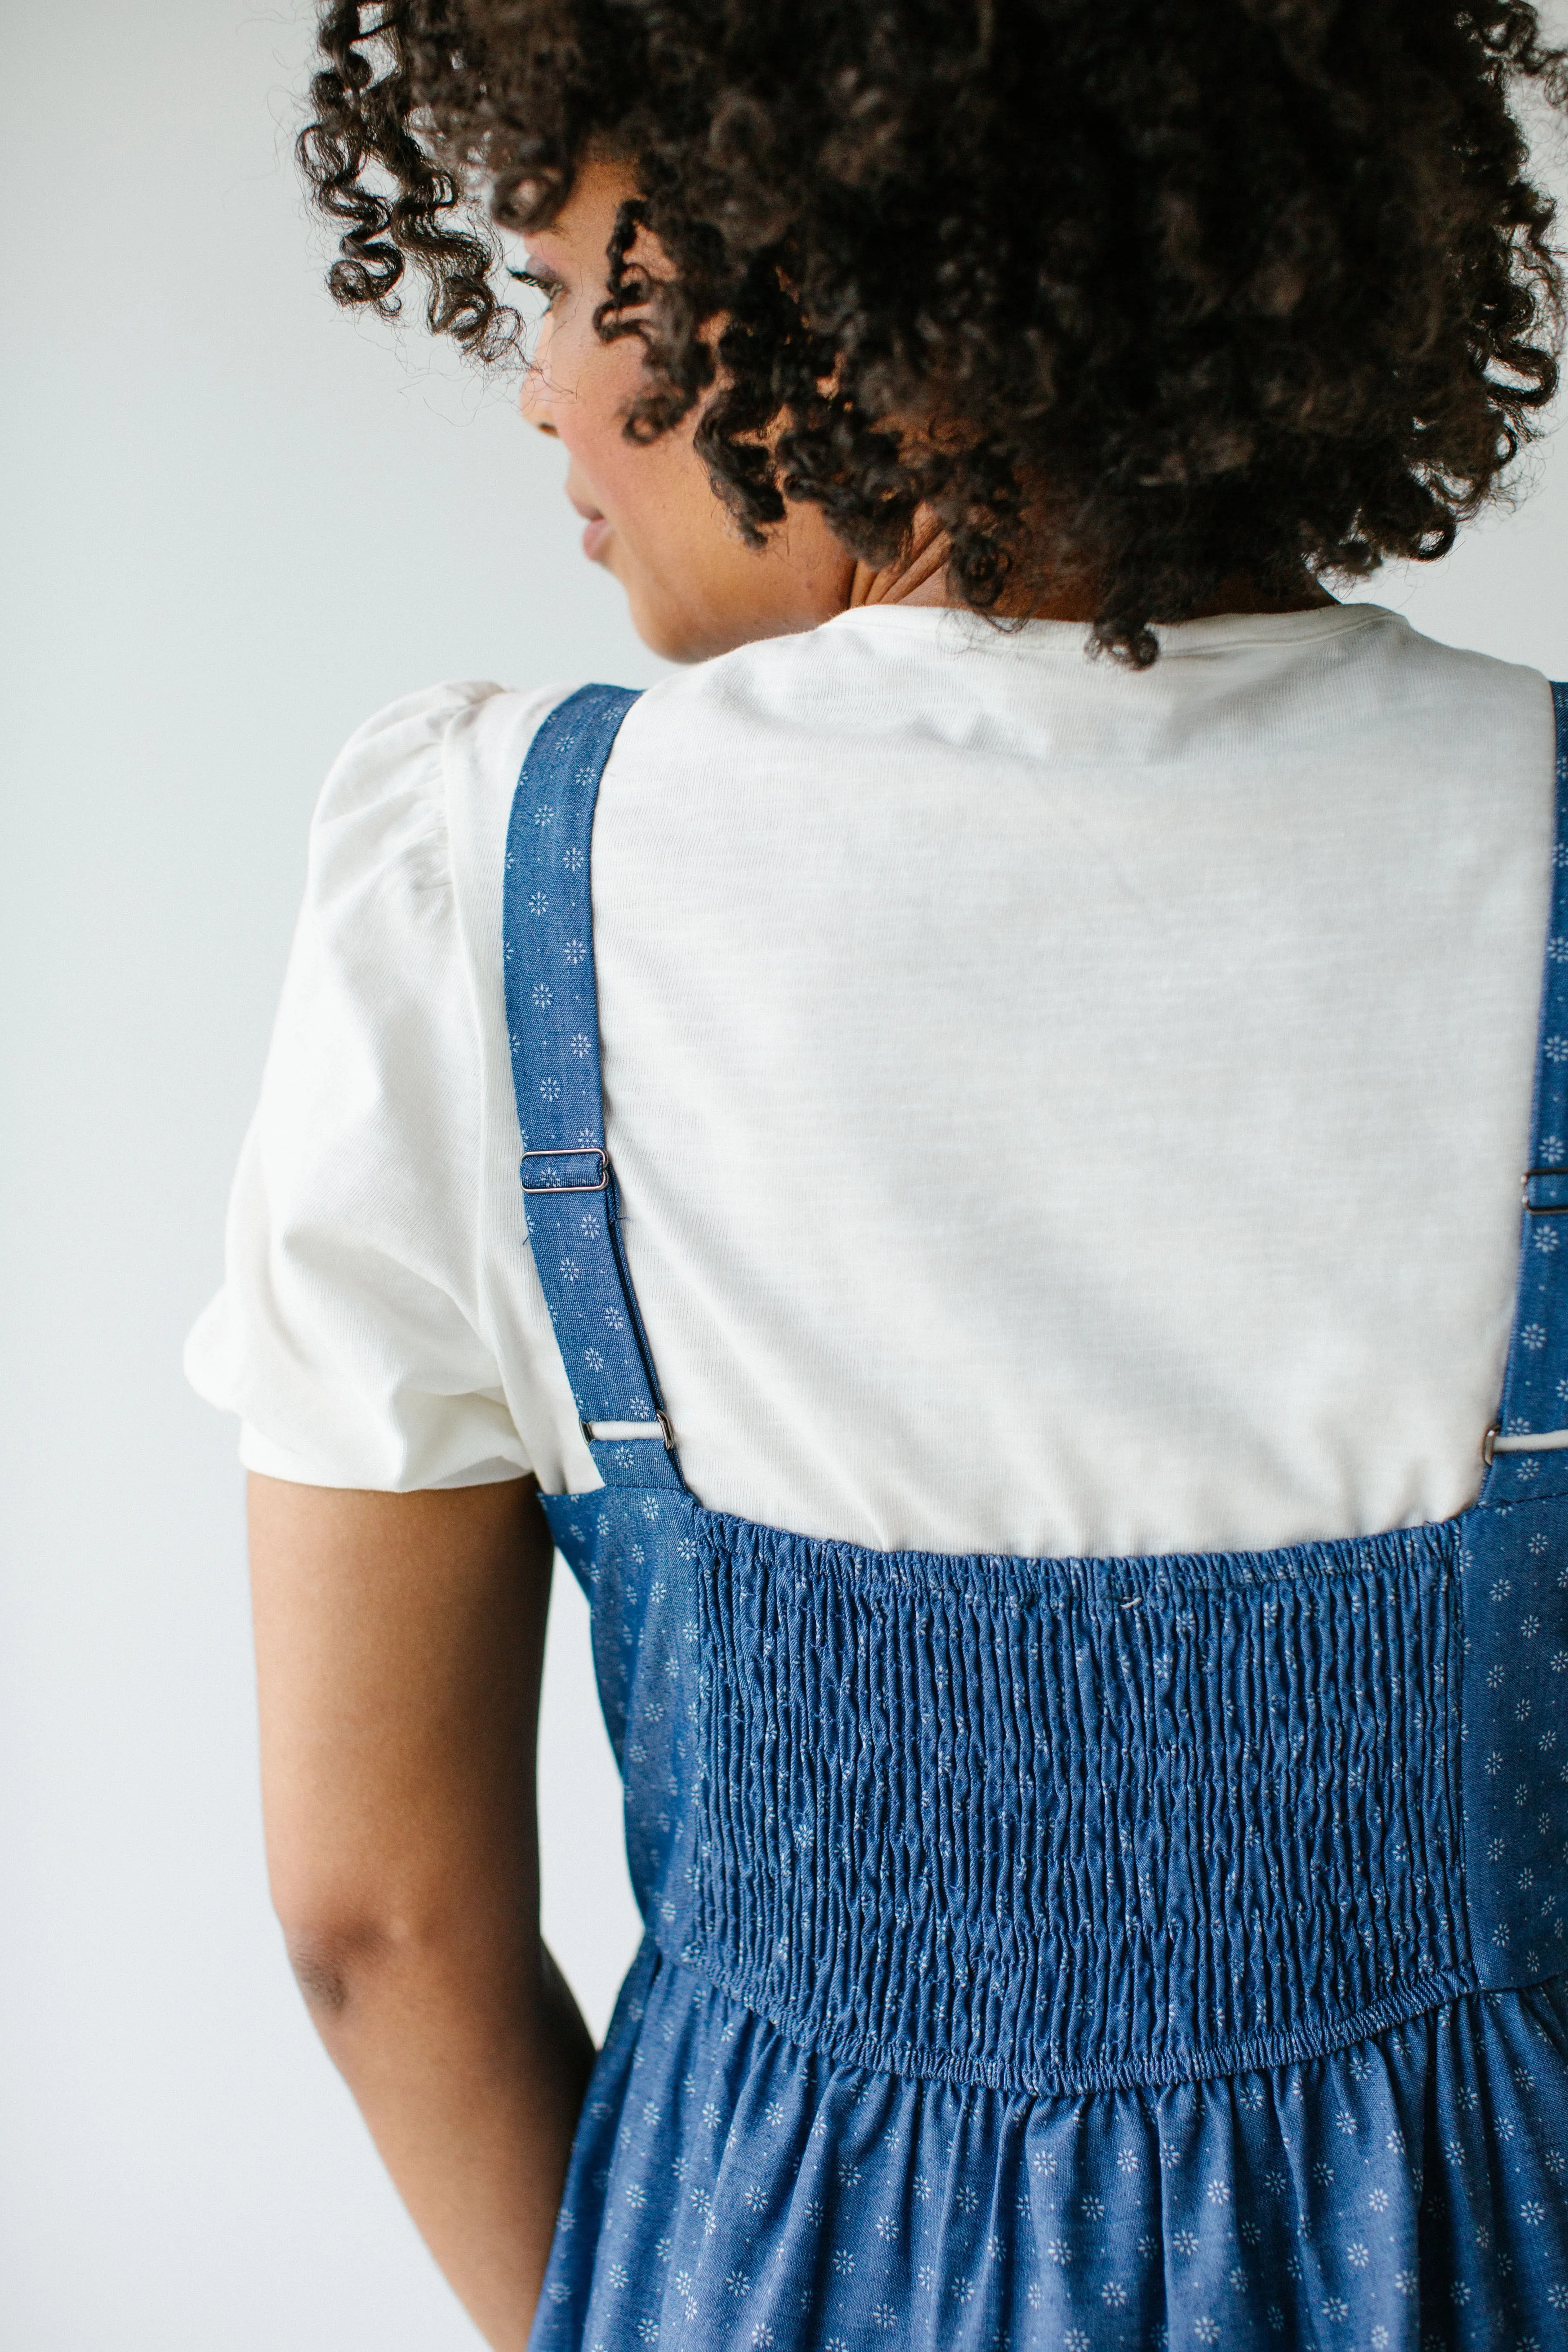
{"x": 1214, "y": 632}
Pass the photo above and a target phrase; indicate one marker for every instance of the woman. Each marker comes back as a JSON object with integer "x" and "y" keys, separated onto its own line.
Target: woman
{"x": 1014, "y": 1306}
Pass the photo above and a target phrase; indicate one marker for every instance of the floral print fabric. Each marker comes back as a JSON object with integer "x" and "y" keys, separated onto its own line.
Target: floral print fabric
{"x": 729, "y": 2189}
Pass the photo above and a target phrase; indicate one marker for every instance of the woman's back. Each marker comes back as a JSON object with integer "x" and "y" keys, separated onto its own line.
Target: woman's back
{"x": 1019, "y": 1931}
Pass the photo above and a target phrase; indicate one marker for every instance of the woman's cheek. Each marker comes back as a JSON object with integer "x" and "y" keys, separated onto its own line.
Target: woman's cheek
{"x": 591, "y": 426}
{"x": 645, "y": 489}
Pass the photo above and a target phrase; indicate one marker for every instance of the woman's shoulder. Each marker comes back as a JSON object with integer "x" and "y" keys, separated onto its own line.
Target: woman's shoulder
{"x": 394, "y": 763}
{"x": 387, "y": 798}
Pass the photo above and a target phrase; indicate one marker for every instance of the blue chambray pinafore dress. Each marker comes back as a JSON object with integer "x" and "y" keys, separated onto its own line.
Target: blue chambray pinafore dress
{"x": 1069, "y": 1954}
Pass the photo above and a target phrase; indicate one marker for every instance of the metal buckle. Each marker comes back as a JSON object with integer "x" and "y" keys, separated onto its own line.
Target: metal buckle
{"x": 1543, "y": 1208}
{"x": 1526, "y": 1441}
{"x": 571, "y": 1152}
{"x": 618, "y": 1433}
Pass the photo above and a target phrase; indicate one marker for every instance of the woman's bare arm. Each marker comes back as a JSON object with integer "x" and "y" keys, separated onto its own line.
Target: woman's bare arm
{"x": 399, "y": 1639}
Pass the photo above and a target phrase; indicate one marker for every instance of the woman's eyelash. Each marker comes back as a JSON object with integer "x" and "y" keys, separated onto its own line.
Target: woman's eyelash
{"x": 533, "y": 277}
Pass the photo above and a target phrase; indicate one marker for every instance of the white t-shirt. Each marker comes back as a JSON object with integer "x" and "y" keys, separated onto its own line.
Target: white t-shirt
{"x": 1057, "y": 1110}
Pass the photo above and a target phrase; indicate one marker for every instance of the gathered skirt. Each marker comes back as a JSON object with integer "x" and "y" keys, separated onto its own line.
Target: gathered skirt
{"x": 731, "y": 2189}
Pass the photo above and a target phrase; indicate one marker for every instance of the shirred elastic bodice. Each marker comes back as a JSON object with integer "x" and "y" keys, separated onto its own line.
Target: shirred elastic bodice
{"x": 1050, "y": 1825}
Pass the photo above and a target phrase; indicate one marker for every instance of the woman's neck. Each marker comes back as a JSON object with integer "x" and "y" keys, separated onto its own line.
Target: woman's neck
{"x": 917, "y": 575}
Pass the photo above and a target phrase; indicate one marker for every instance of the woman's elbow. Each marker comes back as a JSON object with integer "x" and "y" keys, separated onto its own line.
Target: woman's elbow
{"x": 335, "y": 1956}
{"x": 347, "y": 1919}
{"x": 362, "y": 1951}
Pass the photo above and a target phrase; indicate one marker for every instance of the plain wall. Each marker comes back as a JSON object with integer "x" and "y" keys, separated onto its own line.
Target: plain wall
{"x": 236, "y": 523}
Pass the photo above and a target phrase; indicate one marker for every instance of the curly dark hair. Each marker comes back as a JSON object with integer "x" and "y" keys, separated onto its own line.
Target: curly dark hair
{"x": 1167, "y": 293}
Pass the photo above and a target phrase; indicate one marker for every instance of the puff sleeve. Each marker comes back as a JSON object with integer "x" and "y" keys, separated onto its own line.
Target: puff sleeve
{"x": 348, "y": 1334}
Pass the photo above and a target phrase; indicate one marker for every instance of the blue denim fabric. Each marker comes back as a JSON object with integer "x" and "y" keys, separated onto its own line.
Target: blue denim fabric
{"x": 1060, "y": 1954}
{"x": 553, "y": 1022}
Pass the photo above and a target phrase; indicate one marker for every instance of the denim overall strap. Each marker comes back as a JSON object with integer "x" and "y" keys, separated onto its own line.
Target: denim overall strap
{"x": 1527, "y": 1451}
{"x": 552, "y": 1022}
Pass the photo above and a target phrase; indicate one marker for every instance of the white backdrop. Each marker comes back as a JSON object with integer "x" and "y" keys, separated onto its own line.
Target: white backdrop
{"x": 236, "y": 523}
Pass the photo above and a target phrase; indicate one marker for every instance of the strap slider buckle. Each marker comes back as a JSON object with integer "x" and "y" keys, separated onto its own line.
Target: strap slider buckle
{"x": 1545, "y": 1192}
{"x": 618, "y": 1431}
{"x": 569, "y": 1151}
{"x": 1523, "y": 1441}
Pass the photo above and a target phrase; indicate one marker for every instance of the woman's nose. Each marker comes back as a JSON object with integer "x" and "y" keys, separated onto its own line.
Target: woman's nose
{"x": 533, "y": 404}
